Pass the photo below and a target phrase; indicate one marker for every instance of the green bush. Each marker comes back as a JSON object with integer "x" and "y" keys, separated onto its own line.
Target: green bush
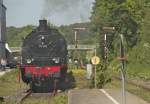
{"x": 103, "y": 76}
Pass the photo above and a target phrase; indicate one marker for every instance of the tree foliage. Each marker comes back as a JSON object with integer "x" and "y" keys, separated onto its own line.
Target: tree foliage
{"x": 127, "y": 16}
{"x": 83, "y": 37}
{"x": 15, "y": 35}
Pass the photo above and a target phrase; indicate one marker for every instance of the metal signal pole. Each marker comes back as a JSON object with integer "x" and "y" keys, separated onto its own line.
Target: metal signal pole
{"x": 75, "y": 35}
{"x": 95, "y": 69}
{"x": 75, "y": 38}
{"x": 122, "y": 59}
{"x": 95, "y": 60}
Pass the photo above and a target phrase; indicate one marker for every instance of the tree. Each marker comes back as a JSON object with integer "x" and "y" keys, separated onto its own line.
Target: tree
{"x": 125, "y": 15}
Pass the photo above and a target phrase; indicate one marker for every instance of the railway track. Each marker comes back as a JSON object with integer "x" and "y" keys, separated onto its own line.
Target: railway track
{"x": 23, "y": 96}
{"x": 18, "y": 97}
{"x": 135, "y": 83}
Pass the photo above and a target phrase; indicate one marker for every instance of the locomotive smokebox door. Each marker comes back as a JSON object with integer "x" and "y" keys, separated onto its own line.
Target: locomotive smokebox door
{"x": 43, "y": 25}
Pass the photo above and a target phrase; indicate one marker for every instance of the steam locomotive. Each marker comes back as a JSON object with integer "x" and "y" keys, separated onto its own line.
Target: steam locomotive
{"x": 44, "y": 59}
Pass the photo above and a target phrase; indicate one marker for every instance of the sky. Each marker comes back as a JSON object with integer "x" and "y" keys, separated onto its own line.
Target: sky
{"x": 58, "y": 12}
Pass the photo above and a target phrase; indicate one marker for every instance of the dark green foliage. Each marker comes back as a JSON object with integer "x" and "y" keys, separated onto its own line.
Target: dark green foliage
{"x": 139, "y": 59}
{"x": 83, "y": 37}
{"x": 103, "y": 76}
{"x": 15, "y": 35}
{"x": 130, "y": 18}
{"x": 120, "y": 15}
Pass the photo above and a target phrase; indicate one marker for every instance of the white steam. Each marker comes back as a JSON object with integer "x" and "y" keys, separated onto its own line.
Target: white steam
{"x": 67, "y": 11}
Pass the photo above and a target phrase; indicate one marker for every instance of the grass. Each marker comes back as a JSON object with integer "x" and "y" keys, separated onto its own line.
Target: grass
{"x": 139, "y": 72}
{"x": 134, "y": 70}
{"x": 58, "y": 99}
{"x": 80, "y": 79}
{"x": 36, "y": 101}
{"x": 79, "y": 72}
{"x": 9, "y": 83}
{"x": 142, "y": 93}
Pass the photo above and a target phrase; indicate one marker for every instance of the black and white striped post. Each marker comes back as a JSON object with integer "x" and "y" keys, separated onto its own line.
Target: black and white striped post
{"x": 106, "y": 29}
{"x": 122, "y": 58}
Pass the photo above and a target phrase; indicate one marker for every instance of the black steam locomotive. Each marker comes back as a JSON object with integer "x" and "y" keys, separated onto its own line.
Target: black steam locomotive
{"x": 44, "y": 58}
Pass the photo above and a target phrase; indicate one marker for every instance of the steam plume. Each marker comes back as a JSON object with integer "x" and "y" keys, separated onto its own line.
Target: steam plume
{"x": 67, "y": 11}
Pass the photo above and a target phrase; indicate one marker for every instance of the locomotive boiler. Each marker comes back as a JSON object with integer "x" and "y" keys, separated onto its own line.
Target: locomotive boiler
{"x": 44, "y": 58}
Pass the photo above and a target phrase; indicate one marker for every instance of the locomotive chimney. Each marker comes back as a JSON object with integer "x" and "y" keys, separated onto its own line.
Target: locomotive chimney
{"x": 42, "y": 25}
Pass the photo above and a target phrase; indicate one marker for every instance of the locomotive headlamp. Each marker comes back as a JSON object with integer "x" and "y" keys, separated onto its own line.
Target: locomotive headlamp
{"x": 29, "y": 61}
{"x": 56, "y": 60}
{"x": 42, "y": 37}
